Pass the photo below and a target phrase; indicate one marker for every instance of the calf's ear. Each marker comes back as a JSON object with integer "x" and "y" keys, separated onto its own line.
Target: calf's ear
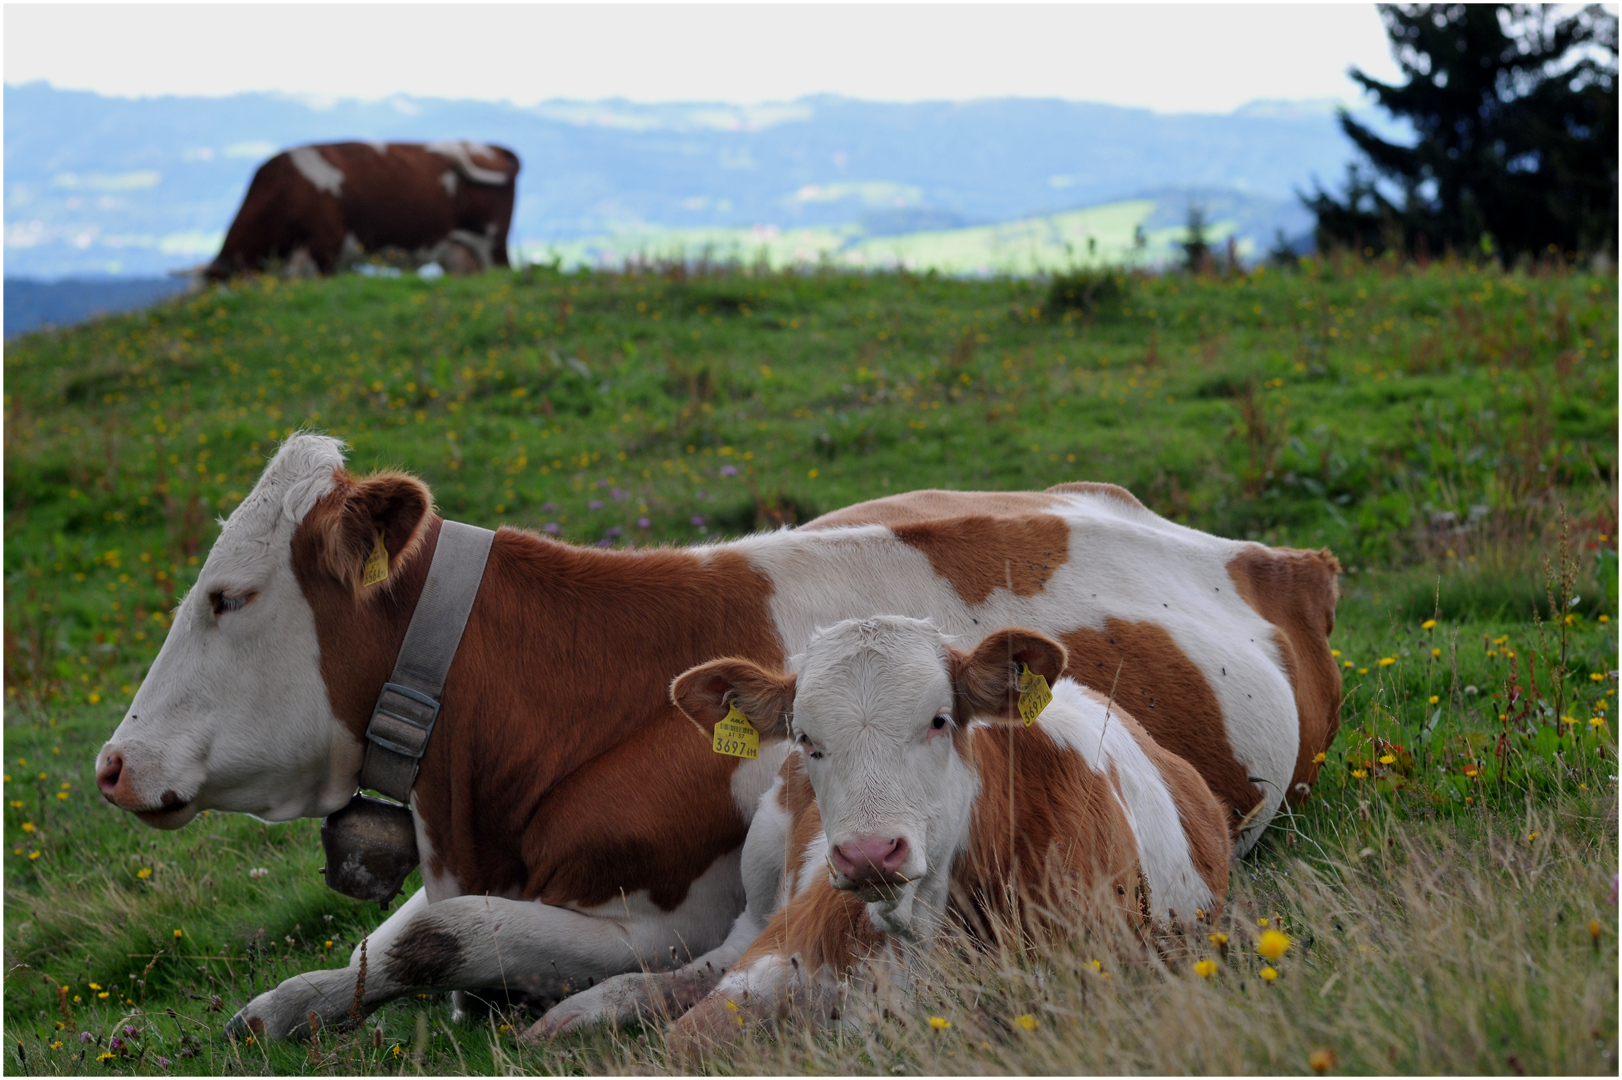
{"x": 705, "y": 692}
{"x": 392, "y": 504}
{"x": 986, "y": 681}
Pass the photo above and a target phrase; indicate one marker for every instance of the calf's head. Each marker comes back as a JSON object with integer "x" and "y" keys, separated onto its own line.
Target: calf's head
{"x": 880, "y": 709}
{"x": 233, "y": 714}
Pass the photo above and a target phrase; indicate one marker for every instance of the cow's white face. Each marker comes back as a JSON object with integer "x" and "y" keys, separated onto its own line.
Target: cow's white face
{"x": 233, "y": 714}
{"x": 874, "y": 719}
{"x": 879, "y": 708}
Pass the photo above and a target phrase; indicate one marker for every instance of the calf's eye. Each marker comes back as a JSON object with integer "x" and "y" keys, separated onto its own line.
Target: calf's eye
{"x": 940, "y": 723}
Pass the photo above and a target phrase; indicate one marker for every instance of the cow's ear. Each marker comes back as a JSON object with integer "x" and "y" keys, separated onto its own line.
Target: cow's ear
{"x": 986, "y": 681}
{"x": 392, "y": 505}
{"x": 706, "y": 692}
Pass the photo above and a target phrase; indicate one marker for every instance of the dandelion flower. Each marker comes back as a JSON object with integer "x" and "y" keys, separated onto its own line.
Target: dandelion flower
{"x": 1435, "y": 653}
{"x": 95, "y": 986}
{"x": 1435, "y": 699}
{"x": 1319, "y": 758}
{"x": 1273, "y": 945}
{"x": 103, "y": 995}
{"x": 1387, "y": 661}
{"x": 1358, "y": 774}
{"x": 1361, "y": 670}
{"x": 1027, "y": 1021}
{"x": 1269, "y": 974}
{"x": 32, "y": 855}
{"x": 1596, "y": 721}
{"x": 1472, "y": 770}
{"x": 939, "y": 1023}
{"x": 1218, "y": 938}
{"x": 177, "y": 935}
{"x": 143, "y": 873}
{"x": 1321, "y": 1060}
{"x": 1205, "y": 968}
{"x": 1387, "y": 759}
{"x": 1428, "y": 624}
{"x": 28, "y": 826}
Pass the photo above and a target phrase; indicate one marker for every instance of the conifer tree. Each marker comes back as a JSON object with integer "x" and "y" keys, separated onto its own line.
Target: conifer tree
{"x": 1515, "y": 109}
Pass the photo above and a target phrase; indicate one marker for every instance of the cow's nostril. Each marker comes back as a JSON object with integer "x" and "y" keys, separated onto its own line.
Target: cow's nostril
{"x": 896, "y": 855}
{"x": 107, "y": 774}
{"x": 870, "y": 859}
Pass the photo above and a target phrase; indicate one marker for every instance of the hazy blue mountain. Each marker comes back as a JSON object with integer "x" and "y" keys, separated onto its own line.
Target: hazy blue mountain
{"x": 99, "y": 185}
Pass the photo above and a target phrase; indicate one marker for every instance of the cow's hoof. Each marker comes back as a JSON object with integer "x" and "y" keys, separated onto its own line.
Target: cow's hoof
{"x": 242, "y": 1027}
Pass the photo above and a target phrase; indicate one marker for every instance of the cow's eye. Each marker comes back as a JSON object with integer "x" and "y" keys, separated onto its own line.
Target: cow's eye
{"x": 940, "y": 723}
{"x": 224, "y": 602}
{"x": 804, "y": 741}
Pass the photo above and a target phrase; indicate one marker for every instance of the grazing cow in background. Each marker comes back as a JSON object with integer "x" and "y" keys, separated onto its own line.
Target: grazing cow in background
{"x": 315, "y": 208}
{"x": 566, "y": 832}
{"x": 915, "y": 792}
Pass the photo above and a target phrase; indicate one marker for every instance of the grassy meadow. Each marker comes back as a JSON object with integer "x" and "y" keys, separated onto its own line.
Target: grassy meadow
{"x": 1448, "y": 890}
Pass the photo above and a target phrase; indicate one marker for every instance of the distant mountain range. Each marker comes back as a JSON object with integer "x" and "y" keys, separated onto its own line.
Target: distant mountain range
{"x": 101, "y": 185}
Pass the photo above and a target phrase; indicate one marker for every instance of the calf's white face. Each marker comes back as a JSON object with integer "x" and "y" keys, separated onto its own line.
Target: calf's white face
{"x": 879, "y": 709}
{"x": 233, "y": 714}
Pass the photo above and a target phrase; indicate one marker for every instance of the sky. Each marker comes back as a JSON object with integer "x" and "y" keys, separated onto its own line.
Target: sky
{"x": 1208, "y": 58}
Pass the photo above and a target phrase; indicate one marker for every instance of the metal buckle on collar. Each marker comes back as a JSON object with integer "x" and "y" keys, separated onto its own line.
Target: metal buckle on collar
{"x": 402, "y": 720}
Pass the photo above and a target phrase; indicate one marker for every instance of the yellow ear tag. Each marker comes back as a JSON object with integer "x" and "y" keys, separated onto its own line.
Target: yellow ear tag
{"x": 1034, "y": 694}
{"x": 735, "y": 736}
{"x": 377, "y": 563}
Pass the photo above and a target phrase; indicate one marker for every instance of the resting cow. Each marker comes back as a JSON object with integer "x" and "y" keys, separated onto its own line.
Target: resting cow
{"x": 318, "y": 207}
{"x": 566, "y": 834}
{"x": 915, "y": 793}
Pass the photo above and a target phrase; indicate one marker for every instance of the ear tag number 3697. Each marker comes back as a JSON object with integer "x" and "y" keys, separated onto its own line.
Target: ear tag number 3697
{"x": 735, "y": 736}
{"x": 1034, "y": 694}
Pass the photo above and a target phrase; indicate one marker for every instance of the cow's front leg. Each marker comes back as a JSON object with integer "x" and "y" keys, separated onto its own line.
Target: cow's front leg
{"x": 644, "y": 995}
{"x": 466, "y": 942}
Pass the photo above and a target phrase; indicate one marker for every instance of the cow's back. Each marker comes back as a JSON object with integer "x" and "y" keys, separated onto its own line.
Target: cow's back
{"x": 1236, "y": 680}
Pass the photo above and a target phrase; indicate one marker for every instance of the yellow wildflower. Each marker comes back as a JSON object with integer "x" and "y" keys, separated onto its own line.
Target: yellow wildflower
{"x": 939, "y": 1023}
{"x": 1435, "y": 653}
{"x": 1387, "y": 661}
{"x": 177, "y": 935}
{"x": 1027, "y": 1021}
{"x": 28, "y": 826}
{"x": 144, "y": 872}
{"x": 1205, "y": 968}
{"x": 1218, "y": 938}
{"x": 1321, "y": 1060}
{"x": 1435, "y": 699}
{"x": 1472, "y": 770}
{"x": 1387, "y": 759}
{"x": 1319, "y": 758}
{"x": 1358, "y": 774}
{"x": 32, "y": 855}
{"x": 1273, "y": 945}
{"x": 1428, "y": 624}
{"x": 95, "y": 986}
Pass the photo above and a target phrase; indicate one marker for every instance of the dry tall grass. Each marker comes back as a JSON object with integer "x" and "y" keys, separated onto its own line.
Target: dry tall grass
{"x": 1413, "y": 949}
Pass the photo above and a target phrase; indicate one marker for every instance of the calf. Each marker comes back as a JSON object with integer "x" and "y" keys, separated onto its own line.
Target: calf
{"x": 917, "y": 789}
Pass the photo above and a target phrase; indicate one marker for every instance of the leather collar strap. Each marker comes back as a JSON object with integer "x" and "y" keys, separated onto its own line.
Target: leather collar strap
{"x": 408, "y": 706}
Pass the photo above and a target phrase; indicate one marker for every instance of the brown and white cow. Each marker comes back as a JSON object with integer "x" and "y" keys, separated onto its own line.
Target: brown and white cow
{"x": 317, "y": 207}
{"x": 571, "y": 826}
{"x": 916, "y": 795}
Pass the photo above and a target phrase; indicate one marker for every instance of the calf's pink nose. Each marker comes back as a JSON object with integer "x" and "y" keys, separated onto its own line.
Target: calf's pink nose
{"x": 107, "y": 774}
{"x": 870, "y": 859}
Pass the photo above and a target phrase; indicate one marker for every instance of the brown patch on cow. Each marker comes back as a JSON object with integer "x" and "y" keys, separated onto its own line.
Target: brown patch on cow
{"x": 1296, "y": 590}
{"x": 1089, "y": 487}
{"x": 559, "y": 693}
{"x": 1047, "y": 830}
{"x": 1204, "y": 819}
{"x": 424, "y": 955}
{"x": 1156, "y": 682}
{"x": 980, "y": 554}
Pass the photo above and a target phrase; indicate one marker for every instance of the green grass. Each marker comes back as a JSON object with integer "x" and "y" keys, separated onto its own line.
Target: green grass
{"x": 1444, "y": 430}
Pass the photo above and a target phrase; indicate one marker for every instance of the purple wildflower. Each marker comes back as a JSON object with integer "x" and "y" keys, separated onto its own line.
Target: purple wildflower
{"x": 84, "y": 1036}
{"x": 644, "y": 523}
{"x": 116, "y": 1044}
{"x": 614, "y": 530}
{"x": 550, "y": 526}
{"x": 620, "y": 496}
{"x": 729, "y": 470}
{"x": 698, "y": 519}
{"x": 129, "y": 1031}
{"x": 595, "y": 504}
{"x": 163, "y": 1062}
{"x": 547, "y": 507}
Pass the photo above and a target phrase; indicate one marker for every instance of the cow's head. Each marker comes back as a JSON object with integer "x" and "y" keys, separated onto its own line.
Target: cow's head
{"x": 880, "y": 709}
{"x": 233, "y": 714}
